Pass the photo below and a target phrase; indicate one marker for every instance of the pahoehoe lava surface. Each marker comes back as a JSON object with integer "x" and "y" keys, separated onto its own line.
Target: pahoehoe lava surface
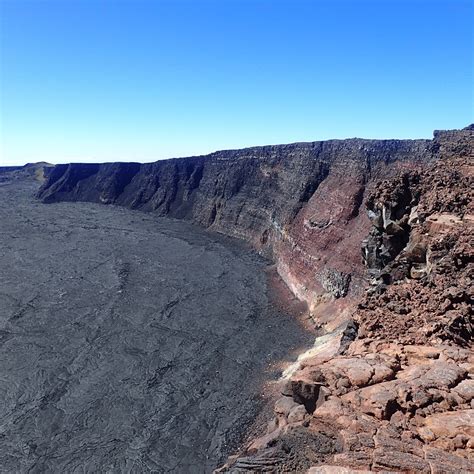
{"x": 127, "y": 342}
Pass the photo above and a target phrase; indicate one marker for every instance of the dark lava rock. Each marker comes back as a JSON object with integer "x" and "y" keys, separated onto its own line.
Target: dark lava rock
{"x": 127, "y": 343}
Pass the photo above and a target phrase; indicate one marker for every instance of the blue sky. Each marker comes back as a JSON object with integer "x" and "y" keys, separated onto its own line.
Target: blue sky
{"x": 141, "y": 80}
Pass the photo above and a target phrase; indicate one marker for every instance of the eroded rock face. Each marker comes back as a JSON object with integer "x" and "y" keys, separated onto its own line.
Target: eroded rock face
{"x": 420, "y": 250}
{"x": 400, "y": 397}
{"x": 300, "y": 203}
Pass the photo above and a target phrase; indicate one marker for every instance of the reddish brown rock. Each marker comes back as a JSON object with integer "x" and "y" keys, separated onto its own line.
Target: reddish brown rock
{"x": 400, "y": 395}
{"x": 327, "y": 469}
{"x": 429, "y": 257}
{"x": 451, "y": 424}
{"x": 465, "y": 390}
{"x": 378, "y": 400}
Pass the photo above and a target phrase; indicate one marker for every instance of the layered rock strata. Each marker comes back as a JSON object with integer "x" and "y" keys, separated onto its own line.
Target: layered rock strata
{"x": 399, "y": 398}
{"x": 300, "y": 203}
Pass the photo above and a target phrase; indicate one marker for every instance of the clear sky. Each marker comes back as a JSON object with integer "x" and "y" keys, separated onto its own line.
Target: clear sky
{"x": 141, "y": 80}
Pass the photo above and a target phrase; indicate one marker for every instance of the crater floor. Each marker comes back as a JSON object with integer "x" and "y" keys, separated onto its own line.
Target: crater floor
{"x": 128, "y": 343}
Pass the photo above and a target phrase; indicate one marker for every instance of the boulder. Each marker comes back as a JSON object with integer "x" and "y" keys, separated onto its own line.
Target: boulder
{"x": 284, "y": 405}
{"x": 465, "y": 390}
{"x": 451, "y": 424}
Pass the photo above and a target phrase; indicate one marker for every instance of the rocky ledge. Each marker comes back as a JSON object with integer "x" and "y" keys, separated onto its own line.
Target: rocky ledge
{"x": 399, "y": 397}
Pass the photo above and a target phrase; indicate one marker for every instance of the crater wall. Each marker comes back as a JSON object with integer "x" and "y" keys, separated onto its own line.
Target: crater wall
{"x": 301, "y": 203}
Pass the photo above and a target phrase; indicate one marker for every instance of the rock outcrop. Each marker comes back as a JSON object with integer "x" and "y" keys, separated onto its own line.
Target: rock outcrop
{"x": 399, "y": 398}
{"x": 38, "y": 171}
{"x": 388, "y": 386}
{"x": 420, "y": 250}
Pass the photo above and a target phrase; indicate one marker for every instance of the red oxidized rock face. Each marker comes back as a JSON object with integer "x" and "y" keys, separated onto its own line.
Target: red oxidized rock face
{"x": 431, "y": 299}
{"x": 400, "y": 398}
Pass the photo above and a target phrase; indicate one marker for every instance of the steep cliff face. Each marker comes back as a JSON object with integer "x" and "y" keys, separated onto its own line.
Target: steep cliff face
{"x": 300, "y": 203}
{"x": 400, "y": 396}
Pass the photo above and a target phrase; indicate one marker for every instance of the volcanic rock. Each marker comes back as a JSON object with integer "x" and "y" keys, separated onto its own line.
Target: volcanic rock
{"x": 400, "y": 395}
{"x": 378, "y": 232}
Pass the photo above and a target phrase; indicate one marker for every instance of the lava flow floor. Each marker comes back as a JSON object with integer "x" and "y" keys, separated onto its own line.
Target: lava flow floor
{"x": 128, "y": 343}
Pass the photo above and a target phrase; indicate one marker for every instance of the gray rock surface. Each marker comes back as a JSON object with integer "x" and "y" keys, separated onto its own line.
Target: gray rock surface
{"x": 128, "y": 343}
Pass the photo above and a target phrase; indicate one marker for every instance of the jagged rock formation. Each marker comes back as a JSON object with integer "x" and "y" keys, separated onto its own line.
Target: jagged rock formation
{"x": 420, "y": 250}
{"x": 398, "y": 398}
